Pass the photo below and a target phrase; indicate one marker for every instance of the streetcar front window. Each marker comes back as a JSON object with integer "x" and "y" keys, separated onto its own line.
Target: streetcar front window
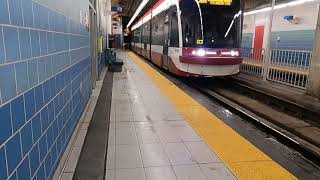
{"x": 206, "y": 24}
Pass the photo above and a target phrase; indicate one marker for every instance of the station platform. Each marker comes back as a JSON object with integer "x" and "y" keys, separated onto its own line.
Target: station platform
{"x": 156, "y": 131}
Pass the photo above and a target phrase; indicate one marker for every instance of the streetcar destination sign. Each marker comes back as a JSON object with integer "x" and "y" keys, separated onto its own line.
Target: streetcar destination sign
{"x": 216, "y": 2}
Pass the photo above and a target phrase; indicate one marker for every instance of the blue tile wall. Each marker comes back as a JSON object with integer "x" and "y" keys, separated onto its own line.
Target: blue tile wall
{"x": 13, "y": 176}
{"x": 23, "y": 171}
{"x": 300, "y": 39}
{"x": 27, "y": 13}
{"x": 17, "y": 113}
{"x": 11, "y": 42}
{"x": 15, "y": 12}
{"x": 39, "y": 97}
{"x": 36, "y": 127}
{"x": 295, "y": 40}
{"x": 29, "y": 100}
{"x": 35, "y": 43}
{"x": 51, "y": 48}
{"x": 6, "y": 127}
{"x": 247, "y": 40}
{"x": 7, "y": 82}
{"x": 13, "y": 152}
{"x": 25, "y": 42}
{"x": 43, "y": 43}
{"x": 45, "y": 83}
{"x": 2, "y": 55}
{"x": 34, "y": 159}
{"x": 3, "y": 171}
{"x": 33, "y": 72}
{"x": 26, "y": 138}
{"x": 4, "y": 13}
{"x": 41, "y": 172}
{"x": 21, "y": 70}
{"x": 42, "y": 68}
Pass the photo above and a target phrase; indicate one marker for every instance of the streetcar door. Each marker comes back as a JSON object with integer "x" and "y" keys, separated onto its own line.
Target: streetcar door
{"x": 166, "y": 39}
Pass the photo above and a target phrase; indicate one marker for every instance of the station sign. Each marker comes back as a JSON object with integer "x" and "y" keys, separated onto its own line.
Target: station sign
{"x": 117, "y": 9}
{"x": 216, "y": 2}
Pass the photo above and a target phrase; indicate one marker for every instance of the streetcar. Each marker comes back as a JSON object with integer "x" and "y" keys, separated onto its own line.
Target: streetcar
{"x": 199, "y": 38}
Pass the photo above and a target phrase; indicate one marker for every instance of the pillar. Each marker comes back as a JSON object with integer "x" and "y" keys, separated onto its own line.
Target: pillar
{"x": 313, "y": 87}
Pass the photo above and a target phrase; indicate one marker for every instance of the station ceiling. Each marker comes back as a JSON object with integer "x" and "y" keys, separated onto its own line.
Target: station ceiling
{"x": 129, "y": 6}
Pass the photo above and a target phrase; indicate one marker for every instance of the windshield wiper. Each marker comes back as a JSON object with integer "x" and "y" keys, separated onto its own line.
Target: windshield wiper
{"x": 200, "y": 12}
{"x": 231, "y": 24}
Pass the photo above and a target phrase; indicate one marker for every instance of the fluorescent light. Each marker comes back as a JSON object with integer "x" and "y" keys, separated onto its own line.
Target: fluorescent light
{"x": 141, "y": 6}
{"x": 280, "y": 6}
{"x": 258, "y": 11}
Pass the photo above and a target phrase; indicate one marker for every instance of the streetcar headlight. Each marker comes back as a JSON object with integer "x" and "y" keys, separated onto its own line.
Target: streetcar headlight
{"x": 211, "y": 53}
{"x": 234, "y": 53}
{"x": 200, "y": 52}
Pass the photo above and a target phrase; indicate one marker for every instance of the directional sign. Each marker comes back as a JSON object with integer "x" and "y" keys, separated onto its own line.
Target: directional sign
{"x": 216, "y": 2}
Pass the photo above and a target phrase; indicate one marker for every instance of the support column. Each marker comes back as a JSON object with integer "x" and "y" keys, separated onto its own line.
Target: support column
{"x": 313, "y": 88}
{"x": 266, "y": 60}
{"x": 109, "y": 21}
{"x": 93, "y": 44}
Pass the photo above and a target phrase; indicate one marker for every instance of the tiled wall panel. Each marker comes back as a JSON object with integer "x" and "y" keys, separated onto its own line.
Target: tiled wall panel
{"x": 299, "y": 40}
{"x": 45, "y": 83}
{"x": 247, "y": 40}
{"x": 294, "y": 40}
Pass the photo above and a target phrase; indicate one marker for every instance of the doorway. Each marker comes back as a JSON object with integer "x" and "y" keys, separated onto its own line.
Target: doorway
{"x": 258, "y": 42}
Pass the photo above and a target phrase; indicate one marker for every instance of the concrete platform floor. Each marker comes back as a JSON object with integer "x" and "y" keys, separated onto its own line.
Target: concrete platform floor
{"x": 149, "y": 139}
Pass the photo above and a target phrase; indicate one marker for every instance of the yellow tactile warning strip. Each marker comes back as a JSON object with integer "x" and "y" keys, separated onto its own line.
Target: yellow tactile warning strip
{"x": 240, "y": 156}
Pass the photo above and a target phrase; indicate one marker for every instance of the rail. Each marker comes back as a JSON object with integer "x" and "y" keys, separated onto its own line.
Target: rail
{"x": 289, "y": 67}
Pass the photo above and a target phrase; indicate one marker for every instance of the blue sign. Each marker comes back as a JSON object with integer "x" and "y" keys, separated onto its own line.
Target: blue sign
{"x": 117, "y": 9}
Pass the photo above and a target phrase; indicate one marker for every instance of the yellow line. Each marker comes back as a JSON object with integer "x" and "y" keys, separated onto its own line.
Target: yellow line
{"x": 240, "y": 156}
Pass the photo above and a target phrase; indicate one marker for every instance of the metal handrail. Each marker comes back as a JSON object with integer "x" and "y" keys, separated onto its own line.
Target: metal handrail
{"x": 286, "y": 66}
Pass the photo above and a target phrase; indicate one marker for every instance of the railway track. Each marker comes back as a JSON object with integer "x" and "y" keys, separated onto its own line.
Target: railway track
{"x": 246, "y": 101}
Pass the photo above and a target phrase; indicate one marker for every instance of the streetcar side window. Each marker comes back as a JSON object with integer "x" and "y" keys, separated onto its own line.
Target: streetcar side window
{"x": 157, "y": 30}
{"x": 174, "y": 35}
{"x": 136, "y": 37}
{"x": 145, "y": 36}
{"x": 140, "y": 35}
{"x": 161, "y": 29}
{"x": 154, "y": 38}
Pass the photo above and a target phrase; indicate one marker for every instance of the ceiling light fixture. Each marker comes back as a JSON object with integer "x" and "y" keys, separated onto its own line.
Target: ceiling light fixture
{"x": 136, "y": 13}
{"x": 284, "y": 5}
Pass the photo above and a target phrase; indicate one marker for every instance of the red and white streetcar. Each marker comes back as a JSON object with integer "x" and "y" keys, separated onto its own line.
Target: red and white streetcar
{"x": 191, "y": 37}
